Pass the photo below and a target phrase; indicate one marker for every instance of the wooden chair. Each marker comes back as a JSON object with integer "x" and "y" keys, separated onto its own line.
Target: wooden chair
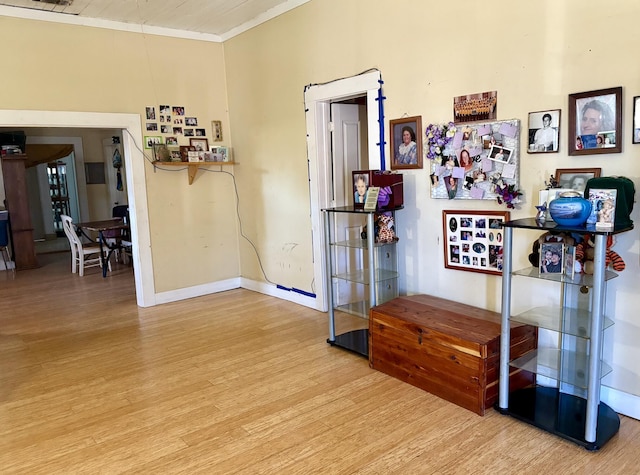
{"x": 4, "y": 246}
{"x": 82, "y": 254}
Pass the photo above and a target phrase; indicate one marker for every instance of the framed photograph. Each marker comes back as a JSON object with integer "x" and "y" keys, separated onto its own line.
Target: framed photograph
{"x": 603, "y": 208}
{"x": 184, "y": 152}
{"x": 151, "y": 140}
{"x": 636, "y": 119}
{"x": 406, "y": 142}
{"x": 544, "y": 131}
{"x": 161, "y": 152}
{"x": 201, "y": 145}
{"x": 551, "y": 258}
{"x": 221, "y": 154}
{"x": 473, "y": 240}
{"x": 595, "y": 122}
{"x": 475, "y": 107}
{"x": 216, "y": 126}
{"x": 575, "y": 178}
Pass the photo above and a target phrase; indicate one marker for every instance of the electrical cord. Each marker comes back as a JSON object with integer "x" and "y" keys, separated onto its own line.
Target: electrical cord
{"x": 235, "y": 187}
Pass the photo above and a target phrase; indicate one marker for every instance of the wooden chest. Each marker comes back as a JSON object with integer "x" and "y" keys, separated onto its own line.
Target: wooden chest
{"x": 447, "y": 348}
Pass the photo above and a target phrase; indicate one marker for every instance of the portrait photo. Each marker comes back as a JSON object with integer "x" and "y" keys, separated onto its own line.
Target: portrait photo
{"x": 595, "y": 122}
{"x": 544, "y": 128}
{"x": 575, "y": 178}
{"x": 500, "y": 154}
{"x": 406, "y": 142}
{"x": 360, "y": 187}
{"x": 551, "y": 258}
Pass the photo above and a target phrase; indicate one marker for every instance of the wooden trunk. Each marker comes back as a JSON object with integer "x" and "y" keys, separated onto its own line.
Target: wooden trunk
{"x": 447, "y": 348}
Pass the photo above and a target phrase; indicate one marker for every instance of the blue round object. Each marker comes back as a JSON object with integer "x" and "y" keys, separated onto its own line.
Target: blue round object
{"x": 570, "y": 209}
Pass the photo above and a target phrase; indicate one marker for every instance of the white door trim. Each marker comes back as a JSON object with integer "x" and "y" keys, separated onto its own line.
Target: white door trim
{"x": 317, "y": 103}
{"x": 134, "y": 162}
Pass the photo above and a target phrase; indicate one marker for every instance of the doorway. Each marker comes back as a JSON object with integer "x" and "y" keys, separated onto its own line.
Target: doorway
{"x": 133, "y": 162}
{"x": 322, "y": 168}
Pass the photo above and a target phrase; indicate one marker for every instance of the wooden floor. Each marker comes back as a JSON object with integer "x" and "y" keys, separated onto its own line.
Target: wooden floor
{"x": 235, "y": 382}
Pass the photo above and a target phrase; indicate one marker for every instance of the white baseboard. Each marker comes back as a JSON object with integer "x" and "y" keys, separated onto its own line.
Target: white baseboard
{"x": 284, "y": 294}
{"x": 621, "y": 402}
{"x": 222, "y": 286}
{"x": 197, "y": 291}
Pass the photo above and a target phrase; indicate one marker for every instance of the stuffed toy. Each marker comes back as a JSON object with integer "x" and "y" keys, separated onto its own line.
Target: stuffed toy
{"x": 383, "y": 228}
{"x": 387, "y": 231}
{"x": 585, "y": 253}
{"x": 548, "y": 237}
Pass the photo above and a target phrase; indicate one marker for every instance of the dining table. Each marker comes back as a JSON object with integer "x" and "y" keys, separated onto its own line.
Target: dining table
{"x": 101, "y": 227}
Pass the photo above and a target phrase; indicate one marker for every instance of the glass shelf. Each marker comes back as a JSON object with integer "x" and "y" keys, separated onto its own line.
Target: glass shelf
{"x": 561, "y": 365}
{"x": 577, "y": 322}
{"x": 360, "y": 243}
{"x": 362, "y": 276}
{"x": 577, "y": 279}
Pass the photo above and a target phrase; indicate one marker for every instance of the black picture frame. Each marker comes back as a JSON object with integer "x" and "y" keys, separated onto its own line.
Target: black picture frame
{"x": 538, "y": 137}
{"x": 595, "y": 122}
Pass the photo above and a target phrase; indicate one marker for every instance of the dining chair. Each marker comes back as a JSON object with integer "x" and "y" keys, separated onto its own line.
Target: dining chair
{"x": 4, "y": 245}
{"x": 119, "y": 236}
{"x": 83, "y": 255}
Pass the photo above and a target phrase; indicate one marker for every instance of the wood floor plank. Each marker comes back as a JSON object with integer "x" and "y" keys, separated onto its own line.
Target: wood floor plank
{"x": 231, "y": 383}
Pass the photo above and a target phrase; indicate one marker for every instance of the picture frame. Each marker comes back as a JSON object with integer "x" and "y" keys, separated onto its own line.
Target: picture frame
{"x": 636, "y": 120}
{"x": 595, "y": 122}
{"x": 552, "y": 258}
{"x": 200, "y": 144}
{"x": 544, "y": 131}
{"x": 575, "y": 178}
{"x": 221, "y": 153}
{"x": 475, "y": 107}
{"x": 405, "y": 155}
{"x": 151, "y": 140}
{"x": 473, "y": 240}
{"x": 216, "y": 127}
{"x": 184, "y": 152}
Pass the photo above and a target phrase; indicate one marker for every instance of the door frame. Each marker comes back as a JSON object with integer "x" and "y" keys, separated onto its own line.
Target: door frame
{"x": 318, "y": 99}
{"x": 134, "y": 163}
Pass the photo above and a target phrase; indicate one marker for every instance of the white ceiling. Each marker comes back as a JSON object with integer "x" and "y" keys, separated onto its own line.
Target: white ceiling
{"x": 216, "y": 20}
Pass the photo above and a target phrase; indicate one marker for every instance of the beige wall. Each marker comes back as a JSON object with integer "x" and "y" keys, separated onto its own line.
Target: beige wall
{"x": 533, "y": 53}
{"x": 70, "y": 68}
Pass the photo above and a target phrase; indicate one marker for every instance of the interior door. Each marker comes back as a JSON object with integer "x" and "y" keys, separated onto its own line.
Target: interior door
{"x": 347, "y": 156}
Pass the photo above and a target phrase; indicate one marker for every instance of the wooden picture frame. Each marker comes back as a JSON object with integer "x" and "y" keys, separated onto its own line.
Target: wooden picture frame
{"x": 636, "y": 120}
{"x": 473, "y": 240}
{"x": 406, "y": 155}
{"x": 575, "y": 178}
{"x": 184, "y": 152}
{"x": 544, "y": 131}
{"x": 595, "y": 122}
{"x": 200, "y": 144}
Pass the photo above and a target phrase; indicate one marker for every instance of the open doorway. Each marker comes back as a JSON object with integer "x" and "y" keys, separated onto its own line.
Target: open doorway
{"x": 328, "y": 185}
{"x": 134, "y": 163}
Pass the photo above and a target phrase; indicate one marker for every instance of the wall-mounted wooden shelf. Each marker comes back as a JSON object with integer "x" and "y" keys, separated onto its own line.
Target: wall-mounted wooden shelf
{"x": 192, "y": 166}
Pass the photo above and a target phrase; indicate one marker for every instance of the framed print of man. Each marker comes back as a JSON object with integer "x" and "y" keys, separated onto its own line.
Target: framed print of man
{"x": 544, "y": 131}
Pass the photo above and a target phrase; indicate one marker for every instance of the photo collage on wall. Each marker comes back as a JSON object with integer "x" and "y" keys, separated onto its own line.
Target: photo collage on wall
{"x": 480, "y": 158}
{"x": 474, "y": 240}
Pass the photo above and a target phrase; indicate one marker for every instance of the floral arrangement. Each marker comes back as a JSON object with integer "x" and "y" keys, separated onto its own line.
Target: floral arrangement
{"x": 438, "y": 136}
{"x": 508, "y": 194}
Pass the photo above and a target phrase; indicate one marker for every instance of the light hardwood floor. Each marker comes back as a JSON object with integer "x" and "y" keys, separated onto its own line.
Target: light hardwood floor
{"x": 235, "y": 382}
